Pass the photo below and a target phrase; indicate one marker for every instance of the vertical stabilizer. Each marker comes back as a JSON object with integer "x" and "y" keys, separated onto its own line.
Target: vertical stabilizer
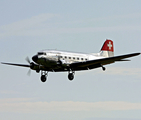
{"x": 107, "y": 49}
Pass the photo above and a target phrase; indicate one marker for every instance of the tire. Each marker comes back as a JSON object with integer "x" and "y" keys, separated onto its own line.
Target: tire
{"x": 43, "y": 78}
{"x": 70, "y": 76}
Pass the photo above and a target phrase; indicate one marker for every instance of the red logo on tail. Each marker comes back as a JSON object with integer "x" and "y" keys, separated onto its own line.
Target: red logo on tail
{"x": 108, "y": 46}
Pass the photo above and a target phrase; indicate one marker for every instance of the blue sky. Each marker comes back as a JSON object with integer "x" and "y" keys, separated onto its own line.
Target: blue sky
{"x": 29, "y": 26}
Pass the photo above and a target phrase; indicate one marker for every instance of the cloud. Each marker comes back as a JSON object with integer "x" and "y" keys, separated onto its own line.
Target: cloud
{"x": 25, "y": 105}
{"x": 8, "y": 92}
{"x": 114, "y": 71}
{"x": 124, "y": 71}
{"x": 44, "y": 24}
{"x": 27, "y": 26}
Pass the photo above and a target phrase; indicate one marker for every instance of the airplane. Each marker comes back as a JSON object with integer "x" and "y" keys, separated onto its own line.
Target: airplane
{"x": 63, "y": 61}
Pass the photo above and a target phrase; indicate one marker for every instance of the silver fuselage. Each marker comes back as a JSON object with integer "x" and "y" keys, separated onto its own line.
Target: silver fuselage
{"x": 55, "y": 60}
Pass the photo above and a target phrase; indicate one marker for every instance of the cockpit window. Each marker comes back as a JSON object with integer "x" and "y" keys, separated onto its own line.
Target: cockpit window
{"x": 41, "y": 53}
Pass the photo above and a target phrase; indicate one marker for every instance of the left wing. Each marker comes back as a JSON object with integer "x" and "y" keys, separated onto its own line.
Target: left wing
{"x": 31, "y": 65}
{"x": 21, "y": 65}
{"x": 98, "y": 62}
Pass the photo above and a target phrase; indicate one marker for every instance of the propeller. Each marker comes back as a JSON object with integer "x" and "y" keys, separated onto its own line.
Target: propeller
{"x": 29, "y": 72}
{"x": 31, "y": 64}
{"x": 27, "y": 59}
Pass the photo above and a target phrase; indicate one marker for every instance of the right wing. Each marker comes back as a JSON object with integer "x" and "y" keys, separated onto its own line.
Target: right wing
{"x": 98, "y": 62}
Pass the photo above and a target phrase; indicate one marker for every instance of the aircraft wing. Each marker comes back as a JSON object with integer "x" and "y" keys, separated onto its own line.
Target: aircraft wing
{"x": 98, "y": 62}
{"x": 22, "y": 65}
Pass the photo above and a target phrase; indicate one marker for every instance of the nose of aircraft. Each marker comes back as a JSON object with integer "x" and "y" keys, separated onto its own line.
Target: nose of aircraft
{"x": 35, "y": 58}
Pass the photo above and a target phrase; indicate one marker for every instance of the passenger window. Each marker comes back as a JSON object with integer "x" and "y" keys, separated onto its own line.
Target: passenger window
{"x": 77, "y": 58}
{"x": 65, "y": 57}
{"x": 74, "y": 58}
{"x": 81, "y": 58}
{"x": 69, "y": 57}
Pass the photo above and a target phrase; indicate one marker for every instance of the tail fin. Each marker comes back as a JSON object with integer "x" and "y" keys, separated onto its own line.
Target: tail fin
{"x": 107, "y": 49}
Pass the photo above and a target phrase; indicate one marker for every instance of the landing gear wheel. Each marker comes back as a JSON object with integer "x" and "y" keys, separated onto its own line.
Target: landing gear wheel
{"x": 44, "y": 75}
{"x": 43, "y": 78}
{"x": 103, "y": 68}
{"x": 70, "y": 76}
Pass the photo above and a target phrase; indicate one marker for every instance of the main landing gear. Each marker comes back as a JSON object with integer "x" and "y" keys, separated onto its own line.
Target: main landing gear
{"x": 71, "y": 75}
{"x": 103, "y": 68}
{"x": 44, "y": 75}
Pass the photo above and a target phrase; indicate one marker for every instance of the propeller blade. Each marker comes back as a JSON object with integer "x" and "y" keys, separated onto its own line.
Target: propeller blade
{"x": 27, "y": 59}
{"x": 29, "y": 72}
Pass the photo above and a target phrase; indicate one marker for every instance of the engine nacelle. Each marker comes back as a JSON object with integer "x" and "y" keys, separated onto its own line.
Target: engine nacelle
{"x": 34, "y": 66}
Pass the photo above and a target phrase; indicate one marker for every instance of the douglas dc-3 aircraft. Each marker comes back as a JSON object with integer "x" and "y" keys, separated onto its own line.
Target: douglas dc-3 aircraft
{"x": 60, "y": 61}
